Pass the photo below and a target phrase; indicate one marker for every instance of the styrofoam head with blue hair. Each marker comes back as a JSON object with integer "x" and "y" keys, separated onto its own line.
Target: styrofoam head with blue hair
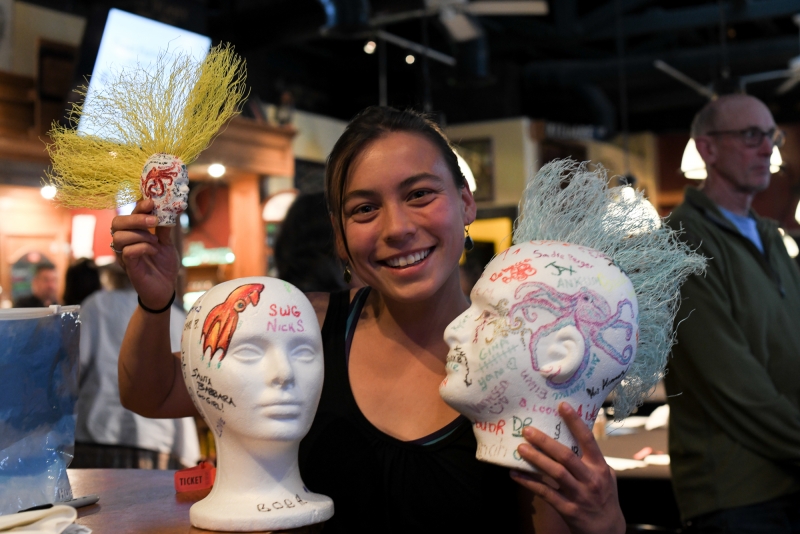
{"x": 581, "y": 305}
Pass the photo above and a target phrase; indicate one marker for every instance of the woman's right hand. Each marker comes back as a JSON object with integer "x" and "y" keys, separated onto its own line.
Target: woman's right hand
{"x": 584, "y": 489}
{"x": 150, "y": 260}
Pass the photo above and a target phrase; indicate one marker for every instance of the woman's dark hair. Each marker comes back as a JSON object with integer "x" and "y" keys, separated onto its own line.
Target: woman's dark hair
{"x": 304, "y": 250}
{"x": 82, "y": 280}
{"x": 371, "y": 124}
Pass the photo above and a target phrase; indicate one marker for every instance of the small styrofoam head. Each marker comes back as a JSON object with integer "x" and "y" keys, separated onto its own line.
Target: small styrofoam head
{"x": 166, "y": 181}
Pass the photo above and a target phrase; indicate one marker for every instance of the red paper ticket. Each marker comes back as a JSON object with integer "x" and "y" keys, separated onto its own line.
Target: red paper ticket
{"x": 194, "y": 478}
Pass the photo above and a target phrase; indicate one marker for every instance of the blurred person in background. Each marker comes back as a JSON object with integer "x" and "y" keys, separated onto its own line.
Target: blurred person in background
{"x": 44, "y": 288}
{"x": 107, "y": 435}
{"x": 305, "y": 254}
{"x": 82, "y": 280}
{"x": 732, "y": 383}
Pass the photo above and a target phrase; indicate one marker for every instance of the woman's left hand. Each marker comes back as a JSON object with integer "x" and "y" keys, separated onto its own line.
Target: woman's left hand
{"x": 586, "y": 492}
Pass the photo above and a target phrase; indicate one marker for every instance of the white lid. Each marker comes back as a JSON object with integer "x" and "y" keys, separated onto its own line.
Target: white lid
{"x": 36, "y": 313}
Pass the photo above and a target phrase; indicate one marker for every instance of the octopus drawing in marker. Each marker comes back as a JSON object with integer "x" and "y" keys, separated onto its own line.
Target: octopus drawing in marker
{"x": 586, "y": 310}
{"x": 159, "y": 179}
{"x": 219, "y": 326}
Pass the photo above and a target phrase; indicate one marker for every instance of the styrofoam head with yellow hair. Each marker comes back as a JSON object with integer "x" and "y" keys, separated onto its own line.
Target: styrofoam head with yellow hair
{"x": 155, "y": 120}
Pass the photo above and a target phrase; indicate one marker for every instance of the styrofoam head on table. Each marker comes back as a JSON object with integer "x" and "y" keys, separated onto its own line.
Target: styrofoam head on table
{"x": 549, "y": 322}
{"x": 252, "y": 361}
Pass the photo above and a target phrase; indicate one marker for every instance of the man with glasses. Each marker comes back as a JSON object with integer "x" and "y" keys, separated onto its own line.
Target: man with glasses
{"x": 44, "y": 288}
{"x": 733, "y": 382}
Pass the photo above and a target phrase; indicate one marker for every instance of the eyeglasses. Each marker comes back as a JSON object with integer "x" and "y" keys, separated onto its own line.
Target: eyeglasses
{"x": 753, "y": 136}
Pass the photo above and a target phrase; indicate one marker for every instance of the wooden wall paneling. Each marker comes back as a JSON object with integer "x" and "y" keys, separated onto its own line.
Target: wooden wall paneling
{"x": 780, "y": 200}
{"x": 55, "y": 69}
{"x": 253, "y": 147}
{"x": 31, "y": 223}
{"x": 17, "y": 97}
{"x": 671, "y": 182}
{"x": 18, "y": 148}
{"x": 247, "y": 227}
{"x": 249, "y": 150}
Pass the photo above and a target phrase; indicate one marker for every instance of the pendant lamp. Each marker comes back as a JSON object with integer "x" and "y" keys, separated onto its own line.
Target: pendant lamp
{"x": 694, "y": 168}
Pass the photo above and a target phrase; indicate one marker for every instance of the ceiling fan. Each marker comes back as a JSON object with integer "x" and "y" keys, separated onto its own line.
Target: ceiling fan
{"x": 792, "y": 74}
{"x": 457, "y": 16}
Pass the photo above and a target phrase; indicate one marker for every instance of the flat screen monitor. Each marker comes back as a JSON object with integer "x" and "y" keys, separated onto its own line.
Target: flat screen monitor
{"x": 129, "y": 40}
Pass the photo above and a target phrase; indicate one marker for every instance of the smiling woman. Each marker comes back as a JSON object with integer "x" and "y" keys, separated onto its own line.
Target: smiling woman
{"x": 403, "y": 235}
{"x": 384, "y": 445}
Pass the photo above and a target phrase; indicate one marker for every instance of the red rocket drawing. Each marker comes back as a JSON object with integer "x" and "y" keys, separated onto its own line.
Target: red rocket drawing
{"x": 219, "y": 326}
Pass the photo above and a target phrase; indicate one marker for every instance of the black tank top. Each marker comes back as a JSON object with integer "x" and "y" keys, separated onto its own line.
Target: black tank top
{"x": 381, "y": 484}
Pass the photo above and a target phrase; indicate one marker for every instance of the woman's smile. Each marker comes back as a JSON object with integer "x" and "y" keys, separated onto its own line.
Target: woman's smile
{"x": 408, "y": 259}
{"x": 405, "y": 218}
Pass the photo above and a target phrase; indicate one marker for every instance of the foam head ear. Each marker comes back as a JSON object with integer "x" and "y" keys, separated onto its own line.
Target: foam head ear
{"x": 560, "y": 353}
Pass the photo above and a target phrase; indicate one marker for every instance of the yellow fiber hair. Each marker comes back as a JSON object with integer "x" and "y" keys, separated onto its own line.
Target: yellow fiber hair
{"x": 177, "y": 107}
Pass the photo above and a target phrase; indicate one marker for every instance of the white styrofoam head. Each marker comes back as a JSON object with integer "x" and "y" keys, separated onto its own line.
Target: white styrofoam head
{"x": 251, "y": 355}
{"x": 549, "y": 322}
{"x": 166, "y": 180}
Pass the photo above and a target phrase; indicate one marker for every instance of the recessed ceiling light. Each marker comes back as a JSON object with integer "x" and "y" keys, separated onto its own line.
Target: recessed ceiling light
{"x": 216, "y": 170}
{"x": 48, "y": 192}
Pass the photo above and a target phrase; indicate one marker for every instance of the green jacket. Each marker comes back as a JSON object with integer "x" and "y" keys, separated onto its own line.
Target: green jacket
{"x": 733, "y": 382}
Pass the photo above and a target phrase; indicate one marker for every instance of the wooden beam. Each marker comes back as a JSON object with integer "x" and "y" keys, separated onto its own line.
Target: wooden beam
{"x": 247, "y": 229}
{"x": 23, "y": 148}
{"x": 254, "y": 147}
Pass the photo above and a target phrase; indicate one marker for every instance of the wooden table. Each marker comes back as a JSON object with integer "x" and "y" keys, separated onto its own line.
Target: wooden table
{"x": 134, "y": 501}
{"x": 626, "y": 445}
{"x": 645, "y": 493}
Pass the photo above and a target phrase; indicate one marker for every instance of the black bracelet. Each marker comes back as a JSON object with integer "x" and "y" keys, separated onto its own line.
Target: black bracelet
{"x": 162, "y": 310}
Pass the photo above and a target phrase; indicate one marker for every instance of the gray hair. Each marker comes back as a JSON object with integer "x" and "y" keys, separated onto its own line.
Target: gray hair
{"x": 705, "y": 120}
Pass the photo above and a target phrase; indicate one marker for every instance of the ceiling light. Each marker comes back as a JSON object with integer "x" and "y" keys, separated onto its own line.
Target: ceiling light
{"x": 278, "y": 205}
{"x": 775, "y": 160}
{"x": 48, "y": 192}
{"x": 467, "y": 172}
{"x": 216, "y": 170}
{"x": 410, "y": 59}
{"x": 692, "y": 165}
{"x": 370, "y": 47}
{"x": 641, "y": 215}
{"x": 791, "y": 245}
{"x": 694, "y": 168}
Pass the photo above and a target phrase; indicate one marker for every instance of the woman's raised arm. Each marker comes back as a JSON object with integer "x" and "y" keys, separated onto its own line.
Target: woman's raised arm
{"x": 150, "y": 379}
